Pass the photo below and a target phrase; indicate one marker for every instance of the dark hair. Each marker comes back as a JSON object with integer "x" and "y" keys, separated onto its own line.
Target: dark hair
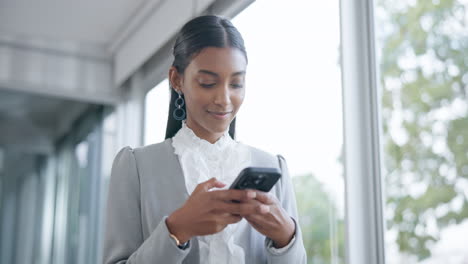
{"x": 197, "y": 34}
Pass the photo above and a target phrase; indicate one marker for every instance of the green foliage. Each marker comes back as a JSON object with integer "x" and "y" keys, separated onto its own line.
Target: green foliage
{"x": 424, "y": 76}
{"x": 317, "y": 218}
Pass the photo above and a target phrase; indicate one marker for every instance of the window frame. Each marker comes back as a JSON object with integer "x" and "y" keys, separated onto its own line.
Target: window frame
{"x": 365, "y": 225}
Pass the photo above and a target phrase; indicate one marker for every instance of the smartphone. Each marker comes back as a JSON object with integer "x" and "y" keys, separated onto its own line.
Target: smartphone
{"x": 257, "y": 178}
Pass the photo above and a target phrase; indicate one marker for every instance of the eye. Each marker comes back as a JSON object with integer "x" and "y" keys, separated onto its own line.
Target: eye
{"x": 235, "y": 85}
{"x": 207, "y": 85}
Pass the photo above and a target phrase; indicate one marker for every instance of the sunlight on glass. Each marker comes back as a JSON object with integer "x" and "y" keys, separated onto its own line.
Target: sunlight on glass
{"x": 293, "y": 108}
{"x": 156, "y": 110}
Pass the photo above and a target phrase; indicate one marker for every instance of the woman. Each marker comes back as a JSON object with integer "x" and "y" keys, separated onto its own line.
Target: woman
{"x": 169, "y": 202}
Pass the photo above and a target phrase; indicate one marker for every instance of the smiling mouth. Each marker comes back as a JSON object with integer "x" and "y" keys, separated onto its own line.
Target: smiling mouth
{"x": 219, "y": 113}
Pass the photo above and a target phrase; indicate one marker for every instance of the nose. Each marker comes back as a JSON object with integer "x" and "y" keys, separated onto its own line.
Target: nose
{"x": 223, "y": 96}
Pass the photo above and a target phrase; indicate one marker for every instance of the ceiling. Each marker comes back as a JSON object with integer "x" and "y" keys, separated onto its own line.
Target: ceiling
{"x": 32, "y": 123}
{"x": 86, "y": 22}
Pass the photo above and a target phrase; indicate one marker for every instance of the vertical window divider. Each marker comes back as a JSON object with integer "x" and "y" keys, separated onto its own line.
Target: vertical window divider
{"x": 365, "y": 226}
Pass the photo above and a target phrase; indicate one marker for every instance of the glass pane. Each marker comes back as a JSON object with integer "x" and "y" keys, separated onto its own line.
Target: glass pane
{"x": 109, "y": 148}
{"x": 423, "y": 48}
{"x": 156, "y": 110}
{"x": 293, "y": 108}
{"x": 61, "y": 205}
{"x": 77, "y": 201}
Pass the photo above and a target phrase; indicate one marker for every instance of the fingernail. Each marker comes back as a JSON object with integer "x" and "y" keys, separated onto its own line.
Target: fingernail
{"x": 264, "y": 209}
{"x": 251, "y": 194}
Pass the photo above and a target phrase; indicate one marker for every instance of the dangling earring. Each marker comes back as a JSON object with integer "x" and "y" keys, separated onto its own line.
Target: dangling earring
{"x": 179, "y": 112}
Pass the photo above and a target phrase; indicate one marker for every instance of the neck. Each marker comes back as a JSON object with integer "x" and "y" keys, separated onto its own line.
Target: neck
{"x": 203, "y": 133}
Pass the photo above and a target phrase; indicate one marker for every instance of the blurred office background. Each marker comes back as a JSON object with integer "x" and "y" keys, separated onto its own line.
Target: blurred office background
{"x": 79, "y": 80}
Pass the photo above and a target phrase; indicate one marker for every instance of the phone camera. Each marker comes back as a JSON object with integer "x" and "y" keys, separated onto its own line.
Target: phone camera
{"x": 259, "y": 180}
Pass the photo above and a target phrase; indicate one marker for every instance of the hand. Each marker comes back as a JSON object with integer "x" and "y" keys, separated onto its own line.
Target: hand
{"x": 207, "y": 212}
{"x": 266, "y": 215}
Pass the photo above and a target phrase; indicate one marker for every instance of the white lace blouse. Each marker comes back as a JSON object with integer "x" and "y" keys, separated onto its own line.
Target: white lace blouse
{"x": 200, "y": 161}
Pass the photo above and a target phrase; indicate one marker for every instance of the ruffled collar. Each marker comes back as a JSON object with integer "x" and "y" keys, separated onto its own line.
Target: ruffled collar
{"x": 187, "y": 139}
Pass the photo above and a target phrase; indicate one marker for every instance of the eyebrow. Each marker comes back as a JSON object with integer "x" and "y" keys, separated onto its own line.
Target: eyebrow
{"x": 216, "y": 75}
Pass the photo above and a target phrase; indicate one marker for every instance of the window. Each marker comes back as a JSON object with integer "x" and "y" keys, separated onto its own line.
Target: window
{"x": 78, "y": 201}
{"x": 423, "y": 47}
{"x": 156, "y": 112}
{"x": 293, "y": 108}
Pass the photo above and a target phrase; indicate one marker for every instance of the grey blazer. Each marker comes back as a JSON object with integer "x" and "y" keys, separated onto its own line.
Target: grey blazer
{"x": 147, "y": 185}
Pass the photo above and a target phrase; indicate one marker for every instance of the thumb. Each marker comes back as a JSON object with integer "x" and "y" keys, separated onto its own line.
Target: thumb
{"x": 209, "y": 184}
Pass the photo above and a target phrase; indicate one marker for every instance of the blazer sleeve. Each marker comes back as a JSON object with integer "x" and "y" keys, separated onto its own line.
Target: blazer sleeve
{"x": 124, "y": 241}
{"x": 296, "y": 252}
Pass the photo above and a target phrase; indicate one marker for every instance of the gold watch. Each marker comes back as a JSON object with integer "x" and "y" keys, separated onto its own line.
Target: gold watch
{"x": 179, "y": 245}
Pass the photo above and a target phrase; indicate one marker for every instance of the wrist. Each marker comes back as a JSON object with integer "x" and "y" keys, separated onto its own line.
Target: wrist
{"x": 176, "y": 229}
{"x": 286, "y": 236}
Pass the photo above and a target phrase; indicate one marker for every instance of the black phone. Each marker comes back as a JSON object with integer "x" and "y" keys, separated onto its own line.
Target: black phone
{"x": 258, "y": 178}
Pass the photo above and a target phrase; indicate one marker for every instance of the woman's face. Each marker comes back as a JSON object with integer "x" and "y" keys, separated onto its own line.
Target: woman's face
{"x": 213, "y": 86}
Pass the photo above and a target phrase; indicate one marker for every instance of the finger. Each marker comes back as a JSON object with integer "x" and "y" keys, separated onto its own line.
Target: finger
{"x": 265, "y": 198}
{"x": 263, "y": 209}
{"x": 259, "y": 221}
{"x": 234, "y": 195}
{"x": 226, "y": 219}
{"x": 231, "y": 219}
{"x": 248, "y": 208}
{"x": 254, "y": 207}
{"x": 209, "y": 184}
{"x": 226, "y": 207}
{"x": 256, "y": 222}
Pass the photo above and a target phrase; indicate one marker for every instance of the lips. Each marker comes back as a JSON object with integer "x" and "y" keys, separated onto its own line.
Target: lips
{"x": 219, "y": 115}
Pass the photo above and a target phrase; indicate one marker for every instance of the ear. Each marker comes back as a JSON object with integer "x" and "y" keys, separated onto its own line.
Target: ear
{"x": 175, "y": 79}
